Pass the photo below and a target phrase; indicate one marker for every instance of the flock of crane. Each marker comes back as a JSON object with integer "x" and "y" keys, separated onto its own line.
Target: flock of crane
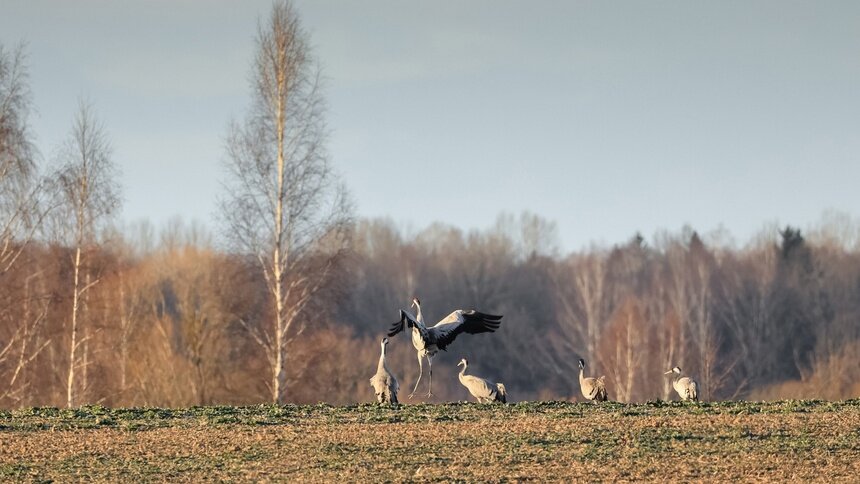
{"x": 429, "y": 340}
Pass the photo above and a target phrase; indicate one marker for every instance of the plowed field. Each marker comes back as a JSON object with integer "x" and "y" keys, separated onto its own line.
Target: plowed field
{"x": 556, "y": 441}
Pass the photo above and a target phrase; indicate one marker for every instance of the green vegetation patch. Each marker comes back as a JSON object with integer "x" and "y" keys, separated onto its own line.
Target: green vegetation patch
{"x": 144, "y": 418}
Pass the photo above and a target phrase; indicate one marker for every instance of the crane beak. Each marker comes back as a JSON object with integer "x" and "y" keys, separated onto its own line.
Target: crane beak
{"x": 668, "y": 372}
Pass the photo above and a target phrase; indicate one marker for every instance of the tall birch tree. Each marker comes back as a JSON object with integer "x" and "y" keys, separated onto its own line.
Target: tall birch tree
{"x": 89, "y": 197}
{"x": 283, "y": 206}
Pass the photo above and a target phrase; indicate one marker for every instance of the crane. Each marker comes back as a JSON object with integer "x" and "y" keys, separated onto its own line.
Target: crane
{"x": 428, "y": 341}
{"x": 484, "y": 391}
{"x": 593, "y": 389}
{"x": 687, "y": 388}
{"x": 384, "y": 383}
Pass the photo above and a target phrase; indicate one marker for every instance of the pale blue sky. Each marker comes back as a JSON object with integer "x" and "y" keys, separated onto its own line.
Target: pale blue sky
{"x": 606, "y": 117}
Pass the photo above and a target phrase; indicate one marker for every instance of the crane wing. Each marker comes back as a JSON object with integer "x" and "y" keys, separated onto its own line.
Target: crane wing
{"x": 478, "y": 387}
{"x": 406, "y": 320}
{"x": 471, "y": 321}
{"x": 591, "y": 389}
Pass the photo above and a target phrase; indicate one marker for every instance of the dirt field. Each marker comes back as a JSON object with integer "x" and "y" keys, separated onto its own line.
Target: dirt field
{"x": 792, "y": 440}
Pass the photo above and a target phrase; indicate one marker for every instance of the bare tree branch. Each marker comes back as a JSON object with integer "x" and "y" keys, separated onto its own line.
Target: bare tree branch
{"x": 283, "y": 202}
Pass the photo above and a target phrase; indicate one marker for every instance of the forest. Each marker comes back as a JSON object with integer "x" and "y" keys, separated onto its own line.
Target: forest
{"x": 168, "y": 321}
{"x": 287, "y": 299}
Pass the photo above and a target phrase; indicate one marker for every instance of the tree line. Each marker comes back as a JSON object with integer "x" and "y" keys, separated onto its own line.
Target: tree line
{"x": 289, "y": 301}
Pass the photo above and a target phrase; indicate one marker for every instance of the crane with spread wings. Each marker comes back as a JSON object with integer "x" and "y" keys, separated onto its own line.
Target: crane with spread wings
{"x": 429, "y": 340}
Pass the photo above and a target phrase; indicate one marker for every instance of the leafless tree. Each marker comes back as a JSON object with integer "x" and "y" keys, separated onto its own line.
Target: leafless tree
{"x": 22, "y": 209}
{"x": 24, "y": 344}
{"x": 197, "y": 287}
{"x": 128, "y": 291}
{"x": 664, "y": 326}
{"x": 284, "y": 205}
{"x": 532, "y": 234}
{"x": 585, "y": 299}
{"x": 21, "y": 206}
{"x": 89, "y": 194}
{"x": 623, "y": 350}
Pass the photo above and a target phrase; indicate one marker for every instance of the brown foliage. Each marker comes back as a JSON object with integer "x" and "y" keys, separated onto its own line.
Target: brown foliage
{"x": 169, "y": 324}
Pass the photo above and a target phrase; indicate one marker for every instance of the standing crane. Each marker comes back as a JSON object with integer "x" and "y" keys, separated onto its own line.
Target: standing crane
{"x": 428, "y": 341}
{"x": 383, "y": 382}
{"x": 593, "y": 389}
{"x": 686, "y": 387}
{"x": 483, "y": 390}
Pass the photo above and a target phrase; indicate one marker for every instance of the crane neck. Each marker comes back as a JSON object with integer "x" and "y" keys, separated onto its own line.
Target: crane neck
{"x": 381, "y": 364}
{"x": 418, "y": 316}
{"x": 463, "y": 371}
{"x": 581, "y": 375}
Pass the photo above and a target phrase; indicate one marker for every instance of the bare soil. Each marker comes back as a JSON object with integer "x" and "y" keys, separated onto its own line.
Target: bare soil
{"x": 542, "y": 441}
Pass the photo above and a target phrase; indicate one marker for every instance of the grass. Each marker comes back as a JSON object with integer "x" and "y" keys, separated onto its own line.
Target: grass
{"x": 785, "y": 440}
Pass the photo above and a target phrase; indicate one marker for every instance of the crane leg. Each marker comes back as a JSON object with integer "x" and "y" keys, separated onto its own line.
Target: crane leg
{"x": 430, "y": 387}
{"x": 420, "y": 372}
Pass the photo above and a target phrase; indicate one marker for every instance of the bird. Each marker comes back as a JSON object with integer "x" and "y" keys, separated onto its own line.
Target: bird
{"x": 428, "y": 341}
{"x": 686, "y": 387}
{"x": 383, "y": 382}
{"x": 593, "y": 389}
{"x": 483, "y": 390}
